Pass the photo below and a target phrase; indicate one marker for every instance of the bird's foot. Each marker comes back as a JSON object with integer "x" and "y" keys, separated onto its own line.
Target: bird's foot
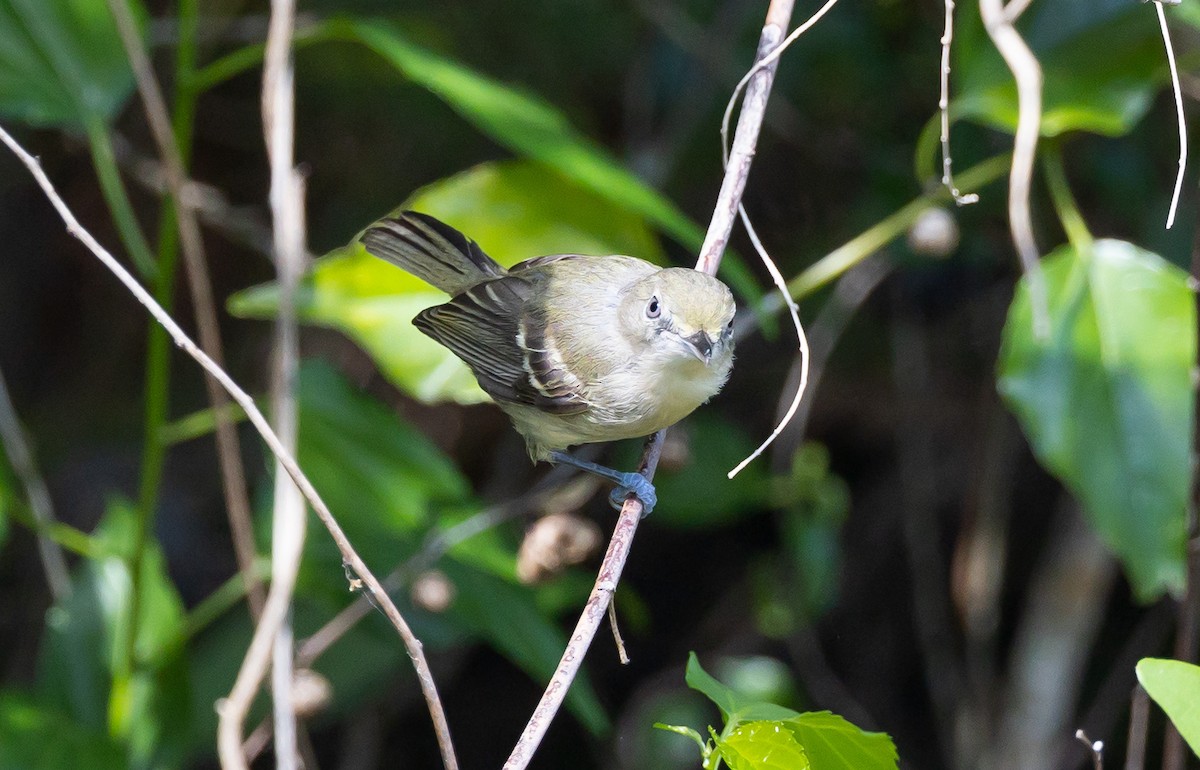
{"x": 637, "y": 485}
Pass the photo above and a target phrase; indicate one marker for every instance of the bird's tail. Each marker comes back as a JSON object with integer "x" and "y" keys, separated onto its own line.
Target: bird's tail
{"x": 431, "y": 250}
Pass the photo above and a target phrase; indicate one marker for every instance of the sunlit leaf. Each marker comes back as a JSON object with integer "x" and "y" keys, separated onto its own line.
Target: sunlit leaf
{"x": 763, "y": 746}
{"x": 832, "y": 743}
{"x": 86, "y": 636}
{"x": 514, "y": 210}
{"x": 61, "y": 61}
{"x": 1107, "y": 399}
{"x": 35, "y": 737}
{"x": 1175, "y": 686}
{"x": 1102, "y": 64}
{"x": 735, "y": 707}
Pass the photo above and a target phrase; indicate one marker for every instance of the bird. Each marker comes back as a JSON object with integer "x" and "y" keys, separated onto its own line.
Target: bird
{"x": 575, "y": 349}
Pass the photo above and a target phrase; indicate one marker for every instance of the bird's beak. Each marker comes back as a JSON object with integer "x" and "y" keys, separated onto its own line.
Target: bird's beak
{"x": 700, "y": 345}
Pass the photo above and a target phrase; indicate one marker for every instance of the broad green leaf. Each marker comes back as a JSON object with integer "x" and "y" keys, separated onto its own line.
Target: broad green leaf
{"x": 85, "y": 638}
{"x": 514, "y": 210}
{"x": 763, "y": 746}
{"x": 1175, "y": 686}
{"x": 61, "y": 61}
{"x": 36, "y": 737}
{"x": 832, "y": 743}
{"x": 506, "y": 615}
{"x": 1107, "y": 401}
{"x": 735, "y": 707}
{"x": 525, "y": 124}
{"x": 1102, "y": 64}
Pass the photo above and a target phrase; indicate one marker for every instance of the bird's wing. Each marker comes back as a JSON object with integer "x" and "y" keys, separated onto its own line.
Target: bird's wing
{"x": 489, "y": 327}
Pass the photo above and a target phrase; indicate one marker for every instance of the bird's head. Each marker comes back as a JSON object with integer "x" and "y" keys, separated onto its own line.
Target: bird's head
{"x": 681, "y": 313}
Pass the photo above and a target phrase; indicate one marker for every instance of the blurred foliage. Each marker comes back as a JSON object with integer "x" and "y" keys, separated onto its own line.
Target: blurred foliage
{"x": 1173, "y": 685}
{"x": 61, "y": 62}
{"x": 588, "y": 128}
{"x": 759, "y": 735}
{"x": 1107, "y": 400}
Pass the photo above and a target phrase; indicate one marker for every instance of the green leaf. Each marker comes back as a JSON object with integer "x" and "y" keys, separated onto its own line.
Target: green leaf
{"x": 1106, "y": 400}
{"x": 507, "y": 616}
{"x": 35, "y": 737}
{"x": 763, "y": 746}
{"x": 832, "y": 743}
{"x": 735, "y": 708}
{"x": 1175, "y": 686}
{"x": 84, "y": 640}
{"x": 61, "y": 61}
{"x": 1102, "y": 63}
{"x": 514, "y": 210}
{"x": 525, "y": 124}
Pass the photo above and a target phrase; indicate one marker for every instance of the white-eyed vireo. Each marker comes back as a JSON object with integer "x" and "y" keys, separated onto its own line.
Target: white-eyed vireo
{"x": 575, "y": 349}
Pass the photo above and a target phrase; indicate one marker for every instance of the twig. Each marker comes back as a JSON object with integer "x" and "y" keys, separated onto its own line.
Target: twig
{"x": 1095, "y": 748}
{"x": 287, "y": 214}
{"x": 616, "y": 632}
{"x": 589, "y": 621}
{"x": 411, "y": 643}
{"x": 779, "y": 13}
{"x": 1166, "y": 36}
{"x": 54, "y": 564}
{"x": 998, "y": 21}
{"x": 237, "y": 498}
{"x": 1139, "y": 726}
{"x": 801, "y": 338}
{"x": 944, "y": 107}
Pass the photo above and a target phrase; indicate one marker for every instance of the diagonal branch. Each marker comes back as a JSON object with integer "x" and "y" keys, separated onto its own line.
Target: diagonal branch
{"x": 779, "y": 14}
{"x": 349, "y": 555}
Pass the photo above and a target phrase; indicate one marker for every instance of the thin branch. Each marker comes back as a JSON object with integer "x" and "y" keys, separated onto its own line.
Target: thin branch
{"x": 1139, "y": 727}
{"x": 1166, "y": 36}
{"x": 1095, "y": 748}
{"x": 287, "y": 214}
{"x": 54, "y": 564}
{"x": 944, "y": 107}
{"x": 779, "y": 14}
{"x": 1028, "y": 75}
{"x": 594, "y": 612}
{"x": 351, "y": 557}
{"x": 233, "y": 476}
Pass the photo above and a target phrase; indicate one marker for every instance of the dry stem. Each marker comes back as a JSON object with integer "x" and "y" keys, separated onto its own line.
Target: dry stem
{"x": 944, "y": 108}
{"x": 237, "y": 499}
{"x": 728, "y": 201}
{"x": 1027, "y": 72}
{"x": 1166, "y": 36}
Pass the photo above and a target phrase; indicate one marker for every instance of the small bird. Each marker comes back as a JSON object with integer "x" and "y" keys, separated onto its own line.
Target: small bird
{"x": 575, "y": 349}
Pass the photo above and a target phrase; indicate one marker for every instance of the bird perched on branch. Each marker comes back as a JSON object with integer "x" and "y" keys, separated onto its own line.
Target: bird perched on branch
{"x": 575, "y": 349}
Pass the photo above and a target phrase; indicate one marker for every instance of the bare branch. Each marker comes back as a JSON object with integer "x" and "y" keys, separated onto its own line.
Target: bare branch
{"x": 944, "y": 107}
{"x": 1166, "y": 36}
{"x": 728, "y": 201}
{"x": 1028, "y": 75}
{"x": 243, "y": 399}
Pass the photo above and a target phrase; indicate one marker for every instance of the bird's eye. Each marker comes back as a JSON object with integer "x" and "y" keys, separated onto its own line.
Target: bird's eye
{"x": 729, "y": 326}
{"x": 653, "y": 309}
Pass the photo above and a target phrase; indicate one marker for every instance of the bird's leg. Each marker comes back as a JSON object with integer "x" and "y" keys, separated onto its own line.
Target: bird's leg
{"x": 627, "y": 483}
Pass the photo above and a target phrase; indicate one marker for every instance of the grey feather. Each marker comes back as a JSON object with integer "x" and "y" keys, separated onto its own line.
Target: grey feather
{"x": 432, "y": 251}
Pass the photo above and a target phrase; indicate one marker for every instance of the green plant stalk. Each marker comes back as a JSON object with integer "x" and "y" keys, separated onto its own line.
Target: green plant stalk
{"x": 117, "y": 197}
{"x": 846, "y": 256}
{"x": 157, "y": 379}
{"x": 227, "y": 596}
{"x": 74, "y": 540}
{"x": 1062, "y": 198}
